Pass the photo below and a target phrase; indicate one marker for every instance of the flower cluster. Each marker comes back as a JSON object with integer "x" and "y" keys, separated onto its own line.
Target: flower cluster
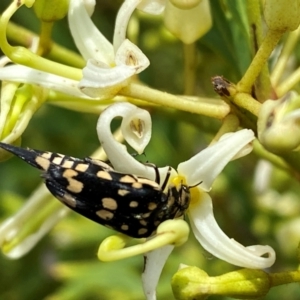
{"x": 259, "y": 111}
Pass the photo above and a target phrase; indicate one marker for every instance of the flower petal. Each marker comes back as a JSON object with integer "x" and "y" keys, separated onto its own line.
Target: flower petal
{"x": 96, "y": 74}
{"x": 213, "y": 239}
{"x": 205, "y": 166}
{"x": 23, "y": 74}
{"x": 88, "y": 39}
{"x": 116, "y": 152}
{"x": 122, "y": 20}
{"x": 130, "y": 55}
{"x": 154, "y": 263}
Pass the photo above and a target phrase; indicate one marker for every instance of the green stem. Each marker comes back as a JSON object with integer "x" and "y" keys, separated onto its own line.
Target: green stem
{"x": 230, "y": 124}
{"x": 258, "y": 62}
{"x": 190, "y": 65}
{"x": 285, "y": 54}
{"x": 247, "y": 102}
{"x": 25, "y": 57}
{"x": 208, "y": 107}
{"x": 21, "y": 36}
{"x": 284, "y": 277}
{"x": 288, "y": 83}
{"x": 45, "y": 38}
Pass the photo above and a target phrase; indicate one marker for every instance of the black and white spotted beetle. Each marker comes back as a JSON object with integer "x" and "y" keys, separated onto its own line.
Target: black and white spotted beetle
{"x": 127, "y": 203}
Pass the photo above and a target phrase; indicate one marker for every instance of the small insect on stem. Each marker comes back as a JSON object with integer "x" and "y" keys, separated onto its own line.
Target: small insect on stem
{"x": 127, "y": 203}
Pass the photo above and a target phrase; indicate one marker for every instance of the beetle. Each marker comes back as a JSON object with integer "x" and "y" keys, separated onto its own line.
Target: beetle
{"x": 130, "y": 204}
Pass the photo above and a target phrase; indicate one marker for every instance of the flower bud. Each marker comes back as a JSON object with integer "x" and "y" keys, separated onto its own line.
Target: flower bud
{"x": 278, "y": 124}
{"x": 185, "y": 4}
{"x": 282, "y": 15}
{"x": 193, "y": 283}
{"x": 188, "y": 24}
{"x": 51, "y": 10}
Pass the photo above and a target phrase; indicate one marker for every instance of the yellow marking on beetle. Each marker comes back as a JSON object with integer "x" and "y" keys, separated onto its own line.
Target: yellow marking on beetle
{"x": 133, "y": 204}
{"x": 68, "y": 164}
{"x": 152, "y": 205}
{"x": 104, "y": 175}
{"x": 57, "y": 160}
{"x": 128, "y": 179}
{"x": 81, "y": 167}
{"x": 68, "y": 200}
{"x": 149, "y": 182}
{"x": 142, "y": 231}
{"x": 137, "y": 185}
{"x": 109, "y": 203}
{"x": 44, "y": 163}
{"x": 101, "y": 164}
{"x": 123, "y": 192}
{"x": 124, "y": 227}
{"x": 143, "y": 222}
{"x": 47, "y": 155}
{"x": 105, "y": 214}
{"x": 146, "y": 215}
{"x": 74, "y": 186}
{"x": 171, "y": 200}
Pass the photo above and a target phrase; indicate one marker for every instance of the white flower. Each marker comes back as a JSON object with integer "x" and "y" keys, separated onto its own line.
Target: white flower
{"x": 108, "y": 66}
{"x": 199, "y": 172}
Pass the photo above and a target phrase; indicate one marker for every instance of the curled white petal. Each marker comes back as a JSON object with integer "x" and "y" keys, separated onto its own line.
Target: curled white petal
{"x": 138, "y": 121}
{"x": 122, "y": 20}
{"x": 154, "y": 7}
{"x": 205, "y": 166}
{"x": 98, "y": 75}
{"x": 154, "y": 263}
{"x": 116, "y": 152}
{"x": 89, "y": 6}
{"x": 215, "y": 241}
{"x": 18, "y": 73}
{"x": 130, "y": 55}
{"x": 89, "y": 40}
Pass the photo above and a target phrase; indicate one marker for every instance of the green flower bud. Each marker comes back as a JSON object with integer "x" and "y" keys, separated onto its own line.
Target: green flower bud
{"x": 192, "y": 283}
{"x": 188, "y": 24}
{"x": 51, "y": 10}
{"x": 282, "y": 15}
{"x": 278, "y": 124}
{"x": 185, "y": 4}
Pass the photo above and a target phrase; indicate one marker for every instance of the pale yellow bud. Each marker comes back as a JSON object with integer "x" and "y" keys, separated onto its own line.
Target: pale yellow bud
{"x": 279, "y": 124}
{"x": 282, "y": 15}
{"x": 193, "y": 283}
{"x": 51, "y": 10}
{"x": 185, "y": 4}
{"x": 188, "y": 24}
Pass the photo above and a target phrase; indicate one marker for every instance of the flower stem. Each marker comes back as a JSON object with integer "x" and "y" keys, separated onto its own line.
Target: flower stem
{"x": 204, "y": 106}
{"x": 258, "y": 62}
{"x": 288, "y": 83}
{"x": 190, "y": 65}
{"x": 25, "y": 57}
{"x": 45, "y": 38}
{"x": 285, "y": 54}
{"x": 21, "y": 36}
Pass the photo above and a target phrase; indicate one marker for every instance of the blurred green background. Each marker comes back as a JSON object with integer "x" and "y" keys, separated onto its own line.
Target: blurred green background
{"x": 64, "y": 265}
